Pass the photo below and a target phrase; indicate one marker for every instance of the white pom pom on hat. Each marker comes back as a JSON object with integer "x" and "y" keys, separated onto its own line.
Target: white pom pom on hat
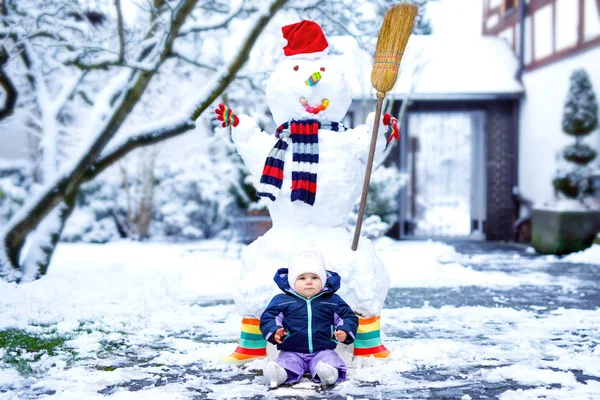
{"x": 305, "y": 262}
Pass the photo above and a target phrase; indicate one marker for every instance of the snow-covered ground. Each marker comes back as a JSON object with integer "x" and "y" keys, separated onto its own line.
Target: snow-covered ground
{"x": 150, "y": 320}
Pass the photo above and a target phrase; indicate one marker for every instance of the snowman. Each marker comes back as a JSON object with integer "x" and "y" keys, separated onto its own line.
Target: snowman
{"x": 310, "y": 172}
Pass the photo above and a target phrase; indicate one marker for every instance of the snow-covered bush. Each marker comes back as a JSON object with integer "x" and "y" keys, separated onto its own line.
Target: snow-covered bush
{"x": 381, "y": 212}
{"x": 190, "y": 200}
{"x": 15, "y": 183}
{"x": 93, "y": 220}
{"x": 580, "y": 118}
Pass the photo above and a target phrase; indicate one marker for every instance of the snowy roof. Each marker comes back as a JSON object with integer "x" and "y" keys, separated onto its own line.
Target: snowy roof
{"x": 474, "y": 67}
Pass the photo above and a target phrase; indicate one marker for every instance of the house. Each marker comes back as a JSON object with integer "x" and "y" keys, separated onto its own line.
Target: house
{"x": 483, "y": 117}
{"x": 551, "y": 38}
{"x": 458, "y": 137}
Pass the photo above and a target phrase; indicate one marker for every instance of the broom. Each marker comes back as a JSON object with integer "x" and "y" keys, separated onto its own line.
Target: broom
{"x": 393, "y": 36}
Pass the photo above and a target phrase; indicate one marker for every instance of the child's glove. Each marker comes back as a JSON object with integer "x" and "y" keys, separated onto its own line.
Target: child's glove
{"x": 340, "y": 336}
{"x": 392, "y": 122}
{"x": 226, "y": 115}
{"x": 279, "y": 333}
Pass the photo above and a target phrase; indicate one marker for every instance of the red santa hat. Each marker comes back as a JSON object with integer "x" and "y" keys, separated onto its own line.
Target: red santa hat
{"x": 304, "y": 39}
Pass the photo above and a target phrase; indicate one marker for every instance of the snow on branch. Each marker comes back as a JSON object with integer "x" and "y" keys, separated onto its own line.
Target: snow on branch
{"x": 226, "y": 74}
{"x": 117, "y": 62}
{"x": 145, "y": 136}
{"x": 213, "y": 25}
{"x": 170, "y": 128}
{"x": 10, "y": 90}
{"x": 120, "y": 30}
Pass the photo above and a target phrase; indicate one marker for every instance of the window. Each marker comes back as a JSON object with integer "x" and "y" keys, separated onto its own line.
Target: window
{"x": 509, "y": 6}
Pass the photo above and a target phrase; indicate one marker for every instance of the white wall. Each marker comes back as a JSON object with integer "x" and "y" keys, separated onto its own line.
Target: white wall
{"x": 541, "y": 136}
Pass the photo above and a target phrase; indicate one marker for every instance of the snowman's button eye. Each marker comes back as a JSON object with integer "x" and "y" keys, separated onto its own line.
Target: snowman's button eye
{"x": 296, "y": 68}
{"x": 323, "y": 69}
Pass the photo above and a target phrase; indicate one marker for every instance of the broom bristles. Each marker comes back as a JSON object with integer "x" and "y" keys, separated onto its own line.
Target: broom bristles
{"x": 393, "y": 36}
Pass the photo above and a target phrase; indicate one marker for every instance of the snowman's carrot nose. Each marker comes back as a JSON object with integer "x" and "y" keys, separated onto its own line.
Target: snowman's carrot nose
{"x": 313, "y": 79}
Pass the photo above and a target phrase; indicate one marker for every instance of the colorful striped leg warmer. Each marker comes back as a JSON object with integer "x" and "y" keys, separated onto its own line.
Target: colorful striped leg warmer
{"x": 251, "y": 345}
{"x": 368, "y": 339}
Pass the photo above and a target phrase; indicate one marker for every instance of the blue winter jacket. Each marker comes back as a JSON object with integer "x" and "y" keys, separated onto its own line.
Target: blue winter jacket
{"x": 309, "y": 323}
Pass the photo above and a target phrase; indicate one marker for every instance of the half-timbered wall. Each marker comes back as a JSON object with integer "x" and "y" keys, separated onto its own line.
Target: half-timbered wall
{"x": 554, "y": 29}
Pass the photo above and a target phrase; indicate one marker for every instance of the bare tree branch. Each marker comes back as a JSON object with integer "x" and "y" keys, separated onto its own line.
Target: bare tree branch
{"x": 27, "y": 219}
{"x": 8, "y": 86}
{"x": 193, "y": 62}
{"x": 214, "y": 25}
{"x": 68, "y": 184}
{"x": 229, "y": 74}
{"x": 140, "y": 140}
{"x": 120, "y": 29}
{"x": 107, "y": 64}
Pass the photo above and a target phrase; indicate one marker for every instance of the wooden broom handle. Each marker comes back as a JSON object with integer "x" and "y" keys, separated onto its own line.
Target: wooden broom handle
{"x": 365, "y": 191}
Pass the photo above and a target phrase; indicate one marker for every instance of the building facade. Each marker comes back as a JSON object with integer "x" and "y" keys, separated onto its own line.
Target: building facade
{"x": 551, "y": 38}
{"x": 458, "y": 142}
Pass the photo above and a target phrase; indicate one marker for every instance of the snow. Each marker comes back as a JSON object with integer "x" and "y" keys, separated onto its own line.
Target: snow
{"x": 590, "y": 255}
{"x": 171, "y": 304}
{"x": 541, "y": 116}
{"x": 235, "y": 8}
{"x": 38, "y": 241}
{"x": 480, "y": 65}
{"x": 433, "y": 264}
{"x": 340, "y": 172}
{"x": 564, "y": 205}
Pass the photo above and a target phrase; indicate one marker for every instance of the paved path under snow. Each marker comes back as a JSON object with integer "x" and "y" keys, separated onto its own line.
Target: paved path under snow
{"x": 528, "y": 328}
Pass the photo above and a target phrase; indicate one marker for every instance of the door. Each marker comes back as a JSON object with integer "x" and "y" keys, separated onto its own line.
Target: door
{"x": 446, "y": 165}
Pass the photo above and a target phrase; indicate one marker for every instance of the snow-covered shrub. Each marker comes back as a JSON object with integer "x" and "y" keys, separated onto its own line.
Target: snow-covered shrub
{"x": 93, "y": 219}
{"x": 15, "y": 183}
{"x": 580, "y": 118}
{"x": 381, "y": 212}
{"x": 191, "y": 199}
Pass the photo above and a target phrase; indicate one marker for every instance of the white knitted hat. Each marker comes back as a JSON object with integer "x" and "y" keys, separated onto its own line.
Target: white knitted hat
{"x": 304, "y": 262}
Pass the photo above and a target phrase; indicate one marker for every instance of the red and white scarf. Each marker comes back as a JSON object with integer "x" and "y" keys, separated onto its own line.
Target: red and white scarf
{"x": 304, "y": 137}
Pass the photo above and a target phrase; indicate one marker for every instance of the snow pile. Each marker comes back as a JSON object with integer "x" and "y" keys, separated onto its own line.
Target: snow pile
{"x": 590, "y": 255}
{"x": 435, "y": 264}
{"x": 90, "y": 284}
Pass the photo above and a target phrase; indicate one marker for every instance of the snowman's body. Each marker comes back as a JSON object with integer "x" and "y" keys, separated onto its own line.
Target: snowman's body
{"x": 340, "y": 175}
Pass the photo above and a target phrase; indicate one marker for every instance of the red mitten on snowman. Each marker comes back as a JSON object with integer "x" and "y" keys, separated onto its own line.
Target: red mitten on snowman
{"x": 394, "y": 126}
{"x": 226, "y": 115}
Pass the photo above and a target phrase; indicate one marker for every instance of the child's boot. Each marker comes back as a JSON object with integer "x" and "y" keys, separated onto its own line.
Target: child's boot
{"x": 328, "y": 374}
{"x": 276, "y": 374}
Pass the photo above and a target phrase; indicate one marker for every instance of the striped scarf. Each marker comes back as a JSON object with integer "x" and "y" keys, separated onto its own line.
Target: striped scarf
{"x": 304, "y": 136}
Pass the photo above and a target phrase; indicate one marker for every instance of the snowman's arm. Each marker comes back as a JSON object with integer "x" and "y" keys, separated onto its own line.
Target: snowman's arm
{"x": 252, "y": 144}
{"x": 365, "y": 139}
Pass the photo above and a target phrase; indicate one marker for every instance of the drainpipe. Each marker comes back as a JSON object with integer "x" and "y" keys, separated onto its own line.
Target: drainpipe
{"x": 517, "y": 109}
{"x": 522, "y": 15}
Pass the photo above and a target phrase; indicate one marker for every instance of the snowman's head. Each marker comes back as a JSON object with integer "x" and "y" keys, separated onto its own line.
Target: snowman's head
{"x": 308, "y": 89}
{"x": 307, "y": 84}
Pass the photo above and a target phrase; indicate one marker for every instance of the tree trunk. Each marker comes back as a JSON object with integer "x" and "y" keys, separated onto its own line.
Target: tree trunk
{"x": 91, "y": 164}
{"x": 30, "y": 217}
{"x": 44, "y": 240}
